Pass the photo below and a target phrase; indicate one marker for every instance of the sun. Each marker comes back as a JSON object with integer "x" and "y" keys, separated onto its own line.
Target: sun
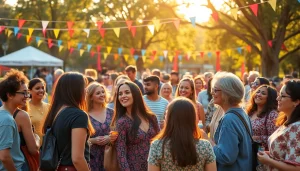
{"x": 196, "y": 9}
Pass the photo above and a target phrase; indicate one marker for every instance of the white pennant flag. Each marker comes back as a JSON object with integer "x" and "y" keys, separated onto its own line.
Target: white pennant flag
{"x": 87, "y": 32}
{"x": 151, "y": 29}
{"x": 45, "y": 24}
{"x": 165, "y": 53}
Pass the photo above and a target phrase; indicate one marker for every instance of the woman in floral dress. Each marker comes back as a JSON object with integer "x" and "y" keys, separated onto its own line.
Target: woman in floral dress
{"x": 100, "y": 117}
{"x": 136, "y": 126}
{"x": 284, "y": 146}
{"x": 263, "y": 113}
{"x": 178, "y": 146}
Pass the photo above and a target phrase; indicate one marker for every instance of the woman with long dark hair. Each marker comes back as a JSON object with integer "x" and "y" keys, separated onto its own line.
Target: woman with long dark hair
{"x": 136, "y": 126}
{"x": 69, "y": 121}
{"x": 263, "y": 113}
{"x": 284, "y": 144}
{"x": 179, "y": 145}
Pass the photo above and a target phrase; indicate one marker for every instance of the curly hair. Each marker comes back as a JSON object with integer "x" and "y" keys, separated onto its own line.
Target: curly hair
{"x": 11, "y": 83}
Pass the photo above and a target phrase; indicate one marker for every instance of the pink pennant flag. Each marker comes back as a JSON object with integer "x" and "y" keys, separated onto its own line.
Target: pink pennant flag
{"x": 19, "y": 35}
{"x": 102, "y": 32}
{"x": 92, "y": 54}
{"x": 270, "y": 43}
{"x": 129, "y": 24}
{"x": 21, "y": 23}
{"x": 254, "y": 8}
{"x": 2, "y": 28}
{"x": 44, "y": 32}
{"x": 71, "y": 50}
{"x": 177, "y": 23}
{"x": 202, "y": 54}
{"x": 215, "y": 16}
{"x": 133, "y": 31}
{"x": 98, "y": 48}
{"x": 132, "y": 51}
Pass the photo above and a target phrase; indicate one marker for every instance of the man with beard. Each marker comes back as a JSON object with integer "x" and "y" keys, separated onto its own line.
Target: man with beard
{"x": 174, "y": 81}
{"x": 155, "y": 103}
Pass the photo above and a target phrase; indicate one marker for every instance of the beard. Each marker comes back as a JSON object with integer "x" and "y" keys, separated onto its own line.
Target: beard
{"x": 149, "y": 92}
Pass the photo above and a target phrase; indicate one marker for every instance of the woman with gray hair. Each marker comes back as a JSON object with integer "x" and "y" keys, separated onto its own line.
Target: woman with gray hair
{"x": 232, "y": 144}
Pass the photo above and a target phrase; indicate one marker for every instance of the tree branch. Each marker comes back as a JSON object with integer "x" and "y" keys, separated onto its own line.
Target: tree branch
{"x": 292, "y": 35}
{"x": 289, "y": 53}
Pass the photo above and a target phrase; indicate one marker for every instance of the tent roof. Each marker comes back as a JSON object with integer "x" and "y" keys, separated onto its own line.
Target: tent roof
{"x": 30, "y": 56}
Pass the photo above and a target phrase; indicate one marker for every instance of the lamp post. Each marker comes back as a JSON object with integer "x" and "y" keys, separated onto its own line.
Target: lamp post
{"x": 5, "y": 47}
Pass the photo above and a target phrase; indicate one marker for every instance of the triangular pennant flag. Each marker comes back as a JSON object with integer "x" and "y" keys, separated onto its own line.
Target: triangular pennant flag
{"x": 30, "y": 31}
{"x": 99, "y": 25}
{"x": 99, "y": 48}
{"x": 239, "y": 49}
{"x": 132, "y": 51}
{"x": 170, "y": 58}
{"x": 129, "y": 24}
{"x": 117, "y": 31}
{"x": 154, "y": 52}
{"x": 270, "y": 43}
{"x": 108, "y": 49}
{"x": 50, "y": 44}
{"x": 151, "y": 29}
{"x": 194, "y": 57}
{"x": 45, "y": 24}
{"x": 87, "y": 32}
{"x": 105, "y": 56}
{"x": 254, "y": 8}
{"x": 44, "y": 33}
{"x": 156, "y": 24}
{"x": 16, "y": 30}
{"x": 21, "y": 23}
{"x": 60, "y": 48}
{"x": 218, "y": 53}
{"x": 248, "y": 48}
{"x": 133, "y": 31}
{"x": 234, "y": 13}
{"x": 165, "y": 53}
{"x": 70, "y": 24}
{"x": 218, "y": 61}
{"x": 37, "y": 39}
{"x": 102, "y": 32}
{"x": 273, "y": 4}
{"x": 19, "y": 35}
{"x": 71, "y": 50}
{"x": 180, "y": 57}
{"x": 143, "y": 52}
{"x": 144, "y": 58}
{"x": 71, "y": 32}
{"x": 193, "y": 21}
{"x": 120, "y": 51}
{"x": 56, "y": 32}
{"x": 27, "y": 38}
{"x": 92, "y": 54}
{"x": 69, "y": 45}
{"x": 81, "y": 52}
{"x": 229, "y": 51}
{"x": 39, "y": 43}
{"x": 79, "y": 45}
{"x": 161, "y": 58}
{"x": 126, "y": 57}
{"x": 215, "y": 16}
{"x": 283, "y": 47}
{"x": 152, "y": 58}
{"x": 136, "y": 57}
{"x": 2, "y": 28}
{"x": 176, "y": 23}
{"x": 188, "y": 55}
{"x": 209, "y": 54}
{"x": 116, "y": 57}
{"x": 89, "y": 47}
{"x": 59, "y": 42}
{"x": 202, "y": 54}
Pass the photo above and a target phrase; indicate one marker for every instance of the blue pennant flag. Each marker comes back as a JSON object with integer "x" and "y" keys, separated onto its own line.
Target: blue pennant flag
{"x": 239, "y": 49}
{"x": 37, "y": 39}
{"x": 180, "y": 57}
{"x": 59, "y": 42}
{"x": 136, "y": 57}
{"x": 161, "y": 58}
{"x": 143, "y": 52}
{"x": 193, "y": 21}
{"x": 79, "y": 45}
{"x": 209, "y": 54}
{"x": 16, "y": 30}
{"x": 89, "y": 47}
{"x": 120, "y": 51}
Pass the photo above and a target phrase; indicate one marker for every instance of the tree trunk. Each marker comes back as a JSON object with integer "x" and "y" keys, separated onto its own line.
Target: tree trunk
{"x": 270, "y": 63}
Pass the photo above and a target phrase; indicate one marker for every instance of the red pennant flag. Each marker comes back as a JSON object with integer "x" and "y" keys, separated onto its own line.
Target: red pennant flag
{"x": 70, "y": 25}
{"x": 99, "y": 62}
{"x": 50, "y": 44}
{"x": 92, "y": 54}
{"x": 129, "y": 24}
{"x": 254, "y": 8}
{"x": 30, "y": 39}
{"x": 215, "y": 16}
{"x": 21, "y": 23}
{"x": 154, "y": 52}
{"x": 177, "y": 53}
{"x": 132, "y": 51}
{"x": 116, "y": 56}
{"x": 71, "y": 50}
{"x": 2, "y": 28}
{"x": 19, "y": 35}
{"x": 99, "y": 25}
{"x": 283, "y": 47}
{"x": 243, "y": 68}
{"x": 175, "y": 62}
{"x": 270, "y": 43}
{"x": 248, "y": 48}
{"x": 133, "y": 31}
{"x": 98, "y": 48}
{"x": 187, "y": 57}
{"x": 102, "y": 32}
{"x": 218, "y": 63}
{"x": 44, "y": 32}
{"x": 202, "y": 54}
{"x": 71, "y": 32}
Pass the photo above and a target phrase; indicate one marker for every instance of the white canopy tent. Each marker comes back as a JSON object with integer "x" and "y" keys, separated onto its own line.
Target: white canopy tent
{"x": 30, "y": 56}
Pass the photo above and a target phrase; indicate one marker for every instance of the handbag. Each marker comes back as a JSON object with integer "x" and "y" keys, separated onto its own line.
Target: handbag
{"x": 33, "y": 161}
{"x": 111, "y": 158}
{"x": 255, "y": 145}
{"x": 49, "y": 156}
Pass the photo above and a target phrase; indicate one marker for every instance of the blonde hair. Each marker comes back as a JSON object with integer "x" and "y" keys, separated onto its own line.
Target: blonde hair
{"x": 92, "y": 73}
{"x": 91, "y": 90}
{"x": 163, "y": 85}
{"x": 193, "y": 95}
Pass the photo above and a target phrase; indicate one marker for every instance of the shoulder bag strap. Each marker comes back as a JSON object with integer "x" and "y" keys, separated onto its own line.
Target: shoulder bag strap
{"x": 243, "y": 121}
{"x": 16, "y": 113}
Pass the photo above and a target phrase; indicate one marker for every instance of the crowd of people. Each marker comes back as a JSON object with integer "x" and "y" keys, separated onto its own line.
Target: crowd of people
{"x": 158, "y": 122}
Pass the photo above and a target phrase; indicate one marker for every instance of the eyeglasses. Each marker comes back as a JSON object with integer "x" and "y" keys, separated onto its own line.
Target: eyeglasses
{"x": 214, "y": 90}
{"x": 25, "y": 93}
{"x": 283, "y": 96}
{"x": 254, "y": 84}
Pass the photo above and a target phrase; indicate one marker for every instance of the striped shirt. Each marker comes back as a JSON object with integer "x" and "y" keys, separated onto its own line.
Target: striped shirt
{"x": 158, "y": 107}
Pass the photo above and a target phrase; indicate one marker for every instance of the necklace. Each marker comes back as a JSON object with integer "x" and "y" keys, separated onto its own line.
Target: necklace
{"x": 40, "y": 108}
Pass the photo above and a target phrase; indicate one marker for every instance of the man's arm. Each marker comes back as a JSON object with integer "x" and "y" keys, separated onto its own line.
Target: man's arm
{"x": 6, "y": 159}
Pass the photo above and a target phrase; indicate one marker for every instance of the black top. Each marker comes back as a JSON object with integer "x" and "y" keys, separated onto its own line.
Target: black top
{"x": 67, "y": 120}
{"x": 22, "y": 140}
{"x": 140, "y": 85}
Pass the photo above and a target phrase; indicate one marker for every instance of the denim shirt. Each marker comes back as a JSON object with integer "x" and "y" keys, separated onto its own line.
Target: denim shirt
{"x": 233, "y": 148}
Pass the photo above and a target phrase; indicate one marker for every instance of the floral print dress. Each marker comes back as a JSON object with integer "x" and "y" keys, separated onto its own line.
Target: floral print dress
{"x": 204, "y": 150}
{"x": 133, "y": 151}
{"x": 284, "y": 145}
{"x": 97, "y": 151}
{"x": 264, "y": 127}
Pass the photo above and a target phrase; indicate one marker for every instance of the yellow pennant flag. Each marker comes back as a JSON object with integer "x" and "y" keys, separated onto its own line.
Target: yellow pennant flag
{"x": 126, "y": 57}
{"x": 60, "y": 48}
{"x": 117, "y": 32}
{"x": 105, "y": 56}
{"x": 229, "y": 51}
{"x": 109, "y": 49}
{"x": 156, "y": 24}
{"x": 170, "y": 58}
{"x": 39, "y": 43}
{"x": 151, "y": 29}
{"x": 27, "y": 38}
{"x": 56, "y": 32}
{"x": 258, "y": 46}
{"x": 234, "y": 13}
{"x": 9, "y": 32}
{"x": 81, "y": 52}
{"x": 144, "y": 58}
{"x": 273, "y": 4}
{"x": 194, "y": 57}
{"x": 30, "y": 31}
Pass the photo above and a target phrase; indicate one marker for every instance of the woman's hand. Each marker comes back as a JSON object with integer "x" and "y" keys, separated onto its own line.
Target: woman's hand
{"x": 113, "y": 136}
{"x": 256, "y": 138}
{"x": 100, "y": 140}
{"x": 263, "y": 157}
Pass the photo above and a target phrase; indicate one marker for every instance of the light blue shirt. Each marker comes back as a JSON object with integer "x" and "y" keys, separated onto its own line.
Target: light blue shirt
{"x": 203, "y": 99}
{"x": 9, "y": 139}
{"x": 158, "y": 107}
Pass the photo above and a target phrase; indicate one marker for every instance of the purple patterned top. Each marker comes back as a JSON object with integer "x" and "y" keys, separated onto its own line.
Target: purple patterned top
{"x": 133, "y": 151}
{"x": 96, "y": 151}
